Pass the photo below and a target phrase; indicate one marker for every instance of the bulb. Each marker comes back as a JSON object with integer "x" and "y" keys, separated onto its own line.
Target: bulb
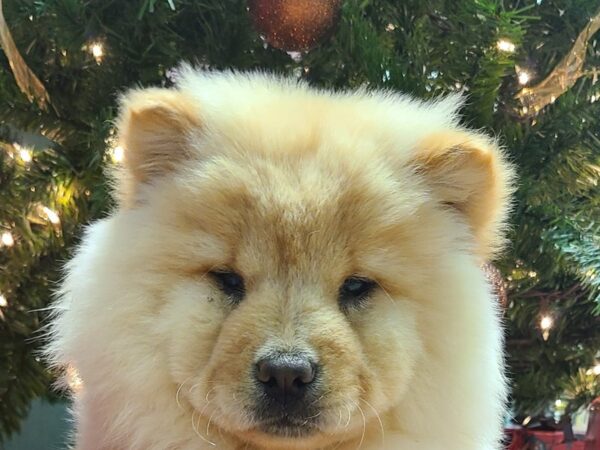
{"x": 117, "y": 154}
{"x": 25, "y": 155}
{"x": 97, "y": 50}
{"x": 3, "y": 301}
{"x": 558, "y": 403}
{"x": 524, "y": 77}
{"x": 505, "y": 45}
{"x": 596, "y": 369}
{"x": 546, "y": 323}
{"x": 7, "y": 239}
{"x": 51, "y": 215}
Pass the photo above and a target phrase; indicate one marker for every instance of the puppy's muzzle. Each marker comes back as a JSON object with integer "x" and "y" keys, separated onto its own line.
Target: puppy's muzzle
{"x": 287, "y": 387}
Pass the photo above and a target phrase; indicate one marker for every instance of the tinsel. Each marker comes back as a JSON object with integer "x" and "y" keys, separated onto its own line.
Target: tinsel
{"x": 27, "y": 81}
{"x": 563, "y": 76}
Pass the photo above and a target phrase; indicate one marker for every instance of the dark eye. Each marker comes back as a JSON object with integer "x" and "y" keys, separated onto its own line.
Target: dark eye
{"x": 355, "y": 290}
{"x": 231, "y": 283}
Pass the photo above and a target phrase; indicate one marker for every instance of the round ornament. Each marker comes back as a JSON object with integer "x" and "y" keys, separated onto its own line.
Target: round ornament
{"x": 294, "y": 25}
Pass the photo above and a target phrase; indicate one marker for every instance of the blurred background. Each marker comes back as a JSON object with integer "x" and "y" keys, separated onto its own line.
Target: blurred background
{"x": 529, "y": 70}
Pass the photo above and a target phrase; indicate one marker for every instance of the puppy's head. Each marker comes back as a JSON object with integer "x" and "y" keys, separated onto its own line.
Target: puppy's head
{"x": 283, "y": 242}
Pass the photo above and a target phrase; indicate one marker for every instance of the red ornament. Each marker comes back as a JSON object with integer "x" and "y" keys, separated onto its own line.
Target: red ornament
{"x": 294, "y": 25}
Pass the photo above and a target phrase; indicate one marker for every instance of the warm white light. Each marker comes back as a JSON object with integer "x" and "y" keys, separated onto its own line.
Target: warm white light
{"x": 117, "y": 154}
{"x": 596, "y": 369}
{"x": 546, "y": 323}
{"x": 532, "y": 274}
{"x": 97, "y": 50}
{"x": 25, "y": 155}
{"x": 558, "y": 403}
{"x": 51, "y": 215}
{"x": 505, "y": 45}
{"x": 3, "y": 301}
{"x": 390, "y": 27}
{"x": 7, "y": 239}
{"x": 524, "y": 77}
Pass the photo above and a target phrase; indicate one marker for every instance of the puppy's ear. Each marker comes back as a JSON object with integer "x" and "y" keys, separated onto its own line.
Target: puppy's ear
{"x": 468, "y": 172}
{"x": 154, "y": 127}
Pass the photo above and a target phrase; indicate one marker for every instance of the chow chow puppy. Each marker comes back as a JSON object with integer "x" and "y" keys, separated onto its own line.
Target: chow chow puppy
{"x": 289, "y": 268}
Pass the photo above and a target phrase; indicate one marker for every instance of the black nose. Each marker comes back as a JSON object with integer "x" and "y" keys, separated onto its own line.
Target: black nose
{"x": 285, "y": 375}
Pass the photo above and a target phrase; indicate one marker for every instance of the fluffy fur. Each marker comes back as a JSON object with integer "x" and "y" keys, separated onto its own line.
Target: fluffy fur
{"x": 296, "y": 189}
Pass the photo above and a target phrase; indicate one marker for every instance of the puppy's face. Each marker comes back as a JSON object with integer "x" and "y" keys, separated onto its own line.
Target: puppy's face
{"x": 286, "y": 312}
{"x": 285, "y": 291}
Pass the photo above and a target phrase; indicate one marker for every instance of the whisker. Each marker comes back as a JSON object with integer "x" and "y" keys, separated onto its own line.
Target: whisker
{"x": 314, "y": 416}
{"x": 340, "y": 418}
{"x": 208, "y": 393}
{"x": 317, "y": 400}
{"x": 208, "y": 424}
{"x": 364, "y": 430}
{"x": 388, "y": 296}
{"x": 349, "y": 415}
{"x": 198, "y": 432}
{"x": 379, "y": 420}
{"x": 179, "y": 390}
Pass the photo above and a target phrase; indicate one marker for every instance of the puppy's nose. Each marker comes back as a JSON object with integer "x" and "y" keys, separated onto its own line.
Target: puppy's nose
{"x": 285, "y": 375}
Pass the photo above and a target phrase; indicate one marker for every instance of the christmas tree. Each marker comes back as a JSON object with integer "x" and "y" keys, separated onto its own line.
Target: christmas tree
{"x": 528, "y": 70}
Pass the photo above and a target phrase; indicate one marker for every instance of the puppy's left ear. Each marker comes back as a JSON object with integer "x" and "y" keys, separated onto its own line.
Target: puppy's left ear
{"x": 468, "y": 172}
{"x": 155, "y": 126}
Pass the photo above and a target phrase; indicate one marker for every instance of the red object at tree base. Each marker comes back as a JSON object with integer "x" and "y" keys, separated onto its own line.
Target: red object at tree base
{"x": 592, "y": 436}
{"x": 528, "y": 439}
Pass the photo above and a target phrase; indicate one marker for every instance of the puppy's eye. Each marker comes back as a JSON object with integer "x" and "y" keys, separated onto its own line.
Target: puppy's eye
{"x": 355, "y": 290}
{"x": 231, "y": 283}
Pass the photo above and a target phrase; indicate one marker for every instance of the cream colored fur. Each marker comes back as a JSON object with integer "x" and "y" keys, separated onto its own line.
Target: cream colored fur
{"x": 295, "y": 189}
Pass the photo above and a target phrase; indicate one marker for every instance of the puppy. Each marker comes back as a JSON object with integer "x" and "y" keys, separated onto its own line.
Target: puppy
{"x": 289, "y": 268}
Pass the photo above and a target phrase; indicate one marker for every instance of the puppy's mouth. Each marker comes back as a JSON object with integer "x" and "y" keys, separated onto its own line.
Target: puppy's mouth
{"x": 289, "y": 427}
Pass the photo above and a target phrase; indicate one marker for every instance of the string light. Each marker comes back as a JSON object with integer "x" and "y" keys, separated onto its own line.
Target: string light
{"x": 505, "y": 45}
{"x": 51, "y": 215}
{"x": 97, "y": 50}
{"x": 558, "y": 403}
{"x": 524, "y": 77}
{"x": 7, "y": 239}
{"x": 25, "y": 155}
{"x": 3, "y": 301}
{"x": 596, "y": 369}
{"x": 117, "y": 154}
{"x": 390, "y": 27}
{"x": 546, "y": 323}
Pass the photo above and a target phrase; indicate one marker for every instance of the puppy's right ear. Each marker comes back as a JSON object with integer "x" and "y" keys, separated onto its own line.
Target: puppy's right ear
{"x": 154, "y": 128}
